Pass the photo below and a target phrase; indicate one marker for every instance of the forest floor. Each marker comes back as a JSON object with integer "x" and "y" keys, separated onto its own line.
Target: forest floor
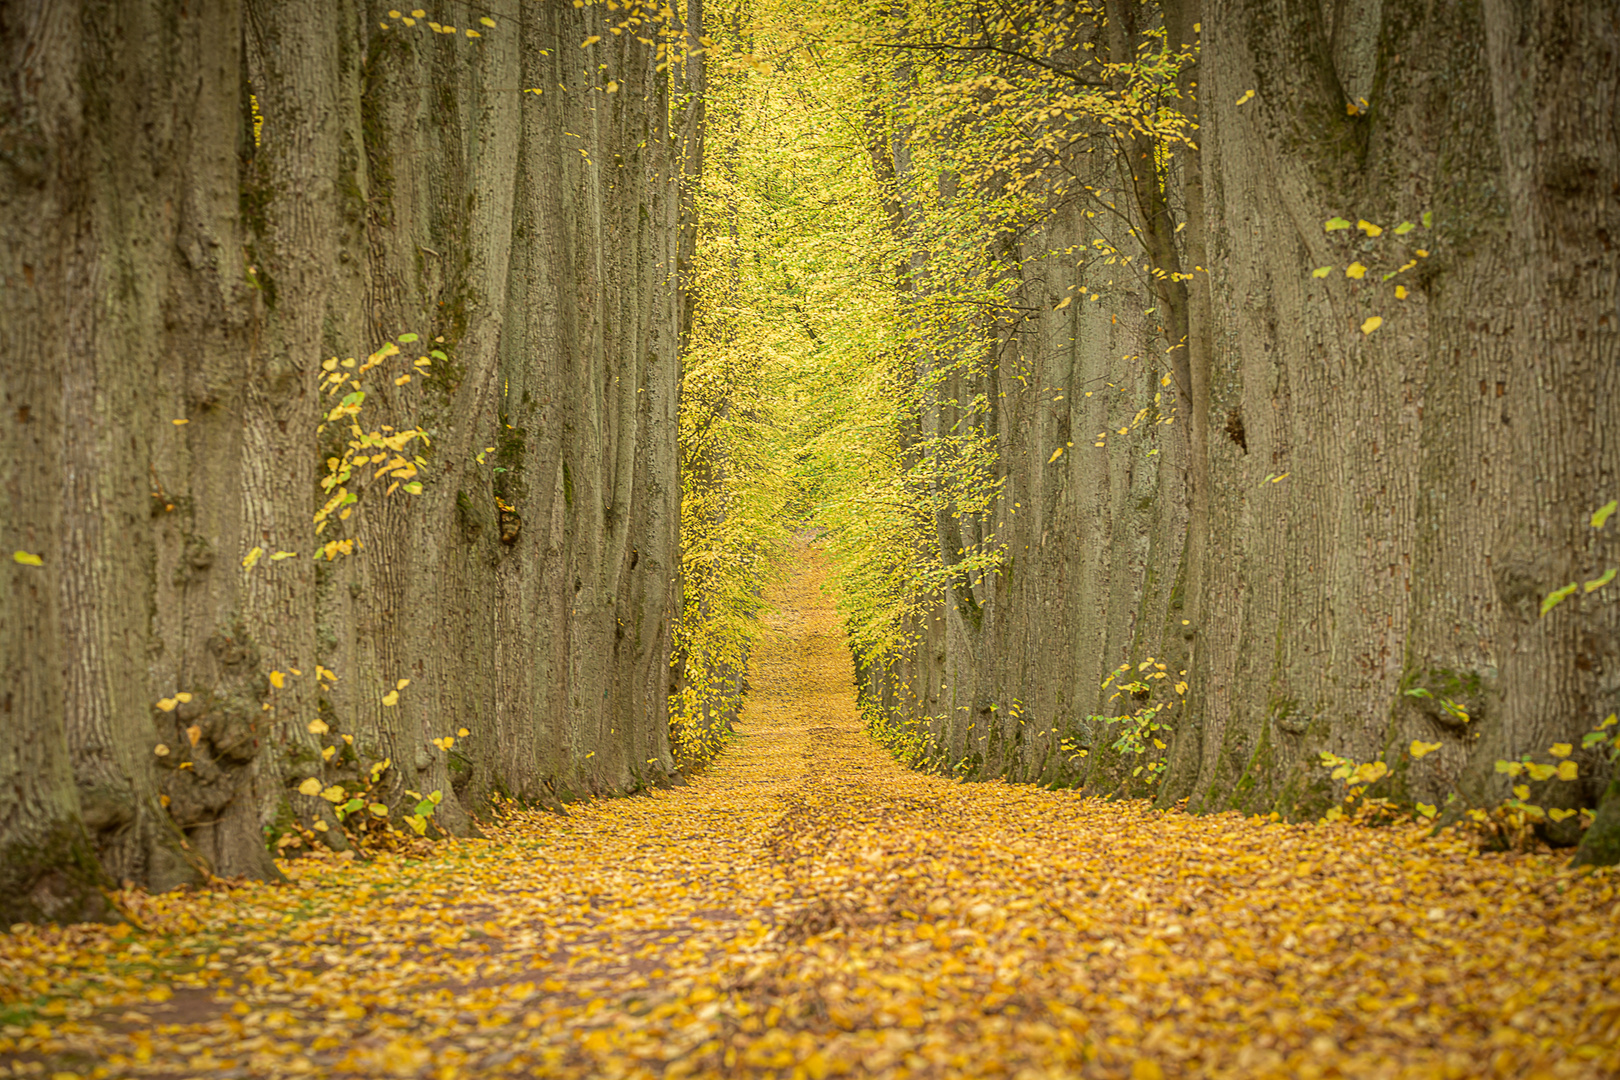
{"x": 808, "y": 908}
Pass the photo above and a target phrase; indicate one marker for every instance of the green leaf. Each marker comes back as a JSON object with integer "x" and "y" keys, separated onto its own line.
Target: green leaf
{"x": 1403, "y": 228}
{"x": 1321, "y": 271}
{"x": 1601, "y": 514}
{"x": 1598, "y": 582}
{"x": 1428, "y": 219}
{"x": 437, "y": 354}
{"x": 414, "y": 487}
{"x": 1335, "y": 223}
{"x": 1558, "y": 596}
{"x": 425, "y": 808}
{"x": 1417, "y": 691}
{"x": 407, "y": 338}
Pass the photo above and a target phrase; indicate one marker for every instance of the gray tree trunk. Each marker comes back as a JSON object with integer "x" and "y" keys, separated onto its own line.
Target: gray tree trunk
{"x": 200, "y": 209}
{"x": 1438, "y": 473}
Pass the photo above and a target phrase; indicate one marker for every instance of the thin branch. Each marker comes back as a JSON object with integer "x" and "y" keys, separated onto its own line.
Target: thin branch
{"x": 998, "y": 50}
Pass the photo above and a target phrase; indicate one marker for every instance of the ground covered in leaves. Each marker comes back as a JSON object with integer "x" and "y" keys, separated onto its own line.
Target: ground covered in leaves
{"x": 808, "y": 908}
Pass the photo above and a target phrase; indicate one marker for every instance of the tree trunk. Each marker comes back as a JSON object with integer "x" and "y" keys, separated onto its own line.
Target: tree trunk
{"x": 203, "y": 209}
{"x": 48, "y": 867}
{"x": 1359, "y": 511}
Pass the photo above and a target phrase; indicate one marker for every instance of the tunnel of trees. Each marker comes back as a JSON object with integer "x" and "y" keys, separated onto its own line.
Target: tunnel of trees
{"x": 1202, "y": 401}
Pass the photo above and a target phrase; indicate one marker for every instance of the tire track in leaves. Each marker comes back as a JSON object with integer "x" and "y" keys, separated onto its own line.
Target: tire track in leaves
{"x": 807, "y": 908}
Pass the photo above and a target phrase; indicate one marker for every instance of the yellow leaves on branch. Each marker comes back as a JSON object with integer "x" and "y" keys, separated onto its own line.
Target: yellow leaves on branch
{"x": 381, "y": 449}
{"x": 420, "y": 15}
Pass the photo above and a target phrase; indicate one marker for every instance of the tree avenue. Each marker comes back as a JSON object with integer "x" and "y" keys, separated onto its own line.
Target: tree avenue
{"x": 407, "y": 414}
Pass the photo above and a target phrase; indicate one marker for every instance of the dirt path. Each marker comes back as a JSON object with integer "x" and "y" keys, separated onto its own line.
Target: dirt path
{"x": 810, "y": 909}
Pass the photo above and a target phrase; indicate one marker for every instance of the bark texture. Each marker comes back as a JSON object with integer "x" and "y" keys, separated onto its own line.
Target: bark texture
{"x": 1438, "y": 474}
{"x": 202, "y": 207}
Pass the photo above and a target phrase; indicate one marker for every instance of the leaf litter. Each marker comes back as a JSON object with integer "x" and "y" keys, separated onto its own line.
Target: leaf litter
{"x": 808, "y": 908}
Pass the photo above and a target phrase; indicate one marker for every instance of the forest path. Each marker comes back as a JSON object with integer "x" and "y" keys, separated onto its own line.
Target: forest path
{"x": 808, "y": 908}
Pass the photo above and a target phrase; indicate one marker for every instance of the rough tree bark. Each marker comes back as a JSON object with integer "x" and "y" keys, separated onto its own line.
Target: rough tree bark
{"x": 1437, "y": 473}
{"x": 201, "y": 208}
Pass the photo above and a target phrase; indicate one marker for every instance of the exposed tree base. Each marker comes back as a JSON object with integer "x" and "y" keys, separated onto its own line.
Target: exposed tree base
{"x": 1601, "y": 844}
{"x": 58, "y": 880}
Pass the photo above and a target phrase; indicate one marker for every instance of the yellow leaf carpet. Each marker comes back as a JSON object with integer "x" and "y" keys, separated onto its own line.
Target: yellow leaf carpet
{"x": 808, "y": 908}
